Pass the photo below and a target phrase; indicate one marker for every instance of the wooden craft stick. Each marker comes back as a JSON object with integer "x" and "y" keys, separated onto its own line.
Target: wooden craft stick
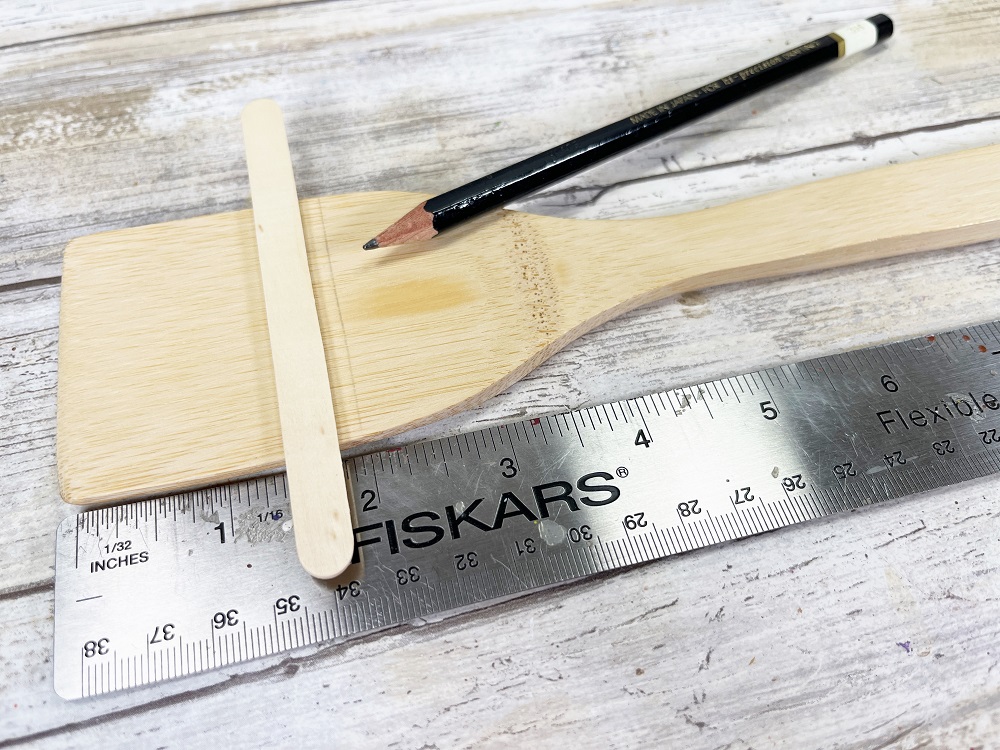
{"x": 321, "y": 511}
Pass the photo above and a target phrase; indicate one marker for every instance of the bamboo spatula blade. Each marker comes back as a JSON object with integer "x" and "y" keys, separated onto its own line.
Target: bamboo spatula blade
{"x": 165, "y": 379}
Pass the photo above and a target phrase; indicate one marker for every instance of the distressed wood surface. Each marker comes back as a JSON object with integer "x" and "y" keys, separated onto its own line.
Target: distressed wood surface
{"x": 876, "y": 629}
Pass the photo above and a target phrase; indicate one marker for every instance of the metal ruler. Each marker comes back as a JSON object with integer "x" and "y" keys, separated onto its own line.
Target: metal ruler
{"x": 163, "y": 588}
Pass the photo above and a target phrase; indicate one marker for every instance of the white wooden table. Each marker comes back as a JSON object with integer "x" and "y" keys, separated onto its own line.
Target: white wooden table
{"x": 878, "y": 629}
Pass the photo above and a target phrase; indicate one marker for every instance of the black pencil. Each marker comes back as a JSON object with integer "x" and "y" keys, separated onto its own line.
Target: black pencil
{"x": 458, "y": 205}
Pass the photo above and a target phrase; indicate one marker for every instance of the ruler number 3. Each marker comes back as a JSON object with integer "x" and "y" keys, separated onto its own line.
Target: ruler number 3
{"x": 509, "y": 468}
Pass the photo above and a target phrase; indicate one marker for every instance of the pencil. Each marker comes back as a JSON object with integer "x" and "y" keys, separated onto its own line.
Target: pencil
{"x": 463, "y": 203}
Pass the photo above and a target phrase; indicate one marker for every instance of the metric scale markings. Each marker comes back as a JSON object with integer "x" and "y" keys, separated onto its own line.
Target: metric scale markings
{"x": 164, "y": 588}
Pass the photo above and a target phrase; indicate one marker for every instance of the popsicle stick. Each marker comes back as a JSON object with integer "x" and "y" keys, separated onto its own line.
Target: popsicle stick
{"x": 321, "y": 511}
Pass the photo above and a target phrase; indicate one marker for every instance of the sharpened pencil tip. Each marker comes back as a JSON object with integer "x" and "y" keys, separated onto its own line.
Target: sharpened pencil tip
{"x": 372, "y": 244}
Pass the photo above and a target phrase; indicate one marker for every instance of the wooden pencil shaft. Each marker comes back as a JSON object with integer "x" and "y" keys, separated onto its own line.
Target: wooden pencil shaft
{"x": 524, "y": 177}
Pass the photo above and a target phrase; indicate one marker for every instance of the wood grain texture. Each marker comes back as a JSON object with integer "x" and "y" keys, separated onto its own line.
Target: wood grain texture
{"x": 26, "y": 23}
{"x": 165, "y": 380}
{"x": 126, "y": 128}
{"x": 324, "y": 532}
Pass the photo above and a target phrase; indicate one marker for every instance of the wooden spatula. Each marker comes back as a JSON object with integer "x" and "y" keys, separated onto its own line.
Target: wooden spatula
{"x": 165, "y": 378}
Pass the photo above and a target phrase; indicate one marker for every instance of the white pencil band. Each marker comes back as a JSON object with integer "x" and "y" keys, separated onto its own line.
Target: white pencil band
{"x": 859, "y": 36}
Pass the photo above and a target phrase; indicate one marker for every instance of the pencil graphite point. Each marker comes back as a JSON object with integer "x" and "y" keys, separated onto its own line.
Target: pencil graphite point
{"x": 416, "y": 225}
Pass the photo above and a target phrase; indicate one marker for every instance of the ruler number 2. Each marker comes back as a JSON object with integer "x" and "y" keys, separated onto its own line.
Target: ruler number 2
{"x": 369, "y": 500}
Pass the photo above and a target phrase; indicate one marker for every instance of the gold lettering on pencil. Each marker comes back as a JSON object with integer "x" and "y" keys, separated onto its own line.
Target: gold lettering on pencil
{"x": 708, "y": 88}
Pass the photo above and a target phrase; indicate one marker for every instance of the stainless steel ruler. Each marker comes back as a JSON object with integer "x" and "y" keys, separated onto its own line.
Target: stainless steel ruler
{"x": 163, "y": 588}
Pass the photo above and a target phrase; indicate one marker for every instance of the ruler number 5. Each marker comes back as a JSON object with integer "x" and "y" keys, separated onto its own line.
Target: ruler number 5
{"x": 768, "y": 410}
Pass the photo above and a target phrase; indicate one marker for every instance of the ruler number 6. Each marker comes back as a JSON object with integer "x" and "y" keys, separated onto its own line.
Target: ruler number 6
{"x": 768, "y": 410}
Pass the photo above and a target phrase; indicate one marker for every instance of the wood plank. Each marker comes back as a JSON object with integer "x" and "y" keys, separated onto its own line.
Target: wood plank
{"x": 151, "y": 137}
{"x": 830, "y": 675}
{"x": 492, "y": 301}
{"x": 32, "y": 21}
{"x": 324, "y": 534}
